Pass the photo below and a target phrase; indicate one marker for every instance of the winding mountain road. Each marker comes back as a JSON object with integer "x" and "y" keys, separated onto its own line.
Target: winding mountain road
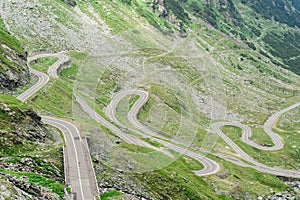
{"x": 42, "y": 77}
{"x": 79, "y": 174}
{"x": 42, "y": 80}
{"x": 79, "y": 170}
{"x": 211, "y": 166}
{"x": 53, "y": 69}
{"x": 127, "y": 138}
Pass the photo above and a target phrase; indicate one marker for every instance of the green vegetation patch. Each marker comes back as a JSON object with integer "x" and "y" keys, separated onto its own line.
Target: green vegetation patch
{"x": 132, "y": 101}
{"x": 243, "y": 181}
{"x": 177, "y": 181}
{"x": 134, "y": 148}
{"x": 69, "y": 73}
{"x": 152, "y": 142}
{"x": 167, "y": 96}
{"x": 39, "y": 180}
{"x": 285, "y": 46}
{"x": 109, "y": 81}
{"x": 112, "y": 194}
{"x": 10, "y": 108}
{"x": 176, "y": 8}
{"x": 162, "y": 119}
{"x": 9, "y": 40}
{"x": 143, "y": 10}
{"x": 270, "y": 158}
{"x": 277, "y": 10}
{"x": 56, "y": 96}
{"x": 13, "y": 102}
{"x": 109, "y": 14}
{"x": 42, "y": 64}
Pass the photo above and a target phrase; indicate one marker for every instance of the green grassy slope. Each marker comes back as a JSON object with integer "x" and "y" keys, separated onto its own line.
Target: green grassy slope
{"x": 252, "y": 87}
{"x": 28, "y": 152}
{"x": 244, "y": 20}
{"x": 13, "y": 69}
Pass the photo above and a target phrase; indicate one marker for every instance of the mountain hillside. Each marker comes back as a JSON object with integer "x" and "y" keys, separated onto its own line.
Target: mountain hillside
{"x": 13, "y": 69}
{"x": 287, "y": 12}
{"x": 30, "y": 165}
{"x": 200, "y": 62}
{"x": 270, "y": 25}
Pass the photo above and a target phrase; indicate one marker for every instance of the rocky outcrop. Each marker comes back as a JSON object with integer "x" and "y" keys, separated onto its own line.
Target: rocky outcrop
{"x": 9, "y": 191}
{"x": 13, "y": 68}
{"x": 171, "y": 12}
{"x": 24, "y": 167}
{"x": 30, "y": 190}
{"x": 25, "y": 125}
{"x": 31, "y": 164}
{"x": 70, "y": 2}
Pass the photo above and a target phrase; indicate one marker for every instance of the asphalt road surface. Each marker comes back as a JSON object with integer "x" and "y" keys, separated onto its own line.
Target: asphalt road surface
{"x": 256, "y": 165}
{"x": 53, "y": 69}
{"x": 79, "y": 170}
{"x": 210, "y": 166}
{"x": 126, "y": 137}
{"x": 79, "y": 174}
{"x": 42, "y": 77}
{"x": 42, "y": 80}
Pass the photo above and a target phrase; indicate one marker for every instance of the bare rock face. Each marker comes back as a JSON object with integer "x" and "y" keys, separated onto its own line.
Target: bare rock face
{"x": 24, "y": 138}
{"x": 70, "y": 2}
{"x": 163, "y": 10}
{"x": 15, "y": 73}
{"x": 20, "y": 125}
{"x": 160, "y": 7}
{"x": 24, "y": 125}
{"x": 9, "y": 191}
{"x": 13, "y": 68}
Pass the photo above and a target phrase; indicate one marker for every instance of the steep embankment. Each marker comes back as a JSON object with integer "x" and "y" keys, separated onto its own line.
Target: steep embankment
{"x": 30, "y": 164}
{"x": 13, "y": 69}
{"x": 270, "y": 27}
{"x": 155, "y": 59}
